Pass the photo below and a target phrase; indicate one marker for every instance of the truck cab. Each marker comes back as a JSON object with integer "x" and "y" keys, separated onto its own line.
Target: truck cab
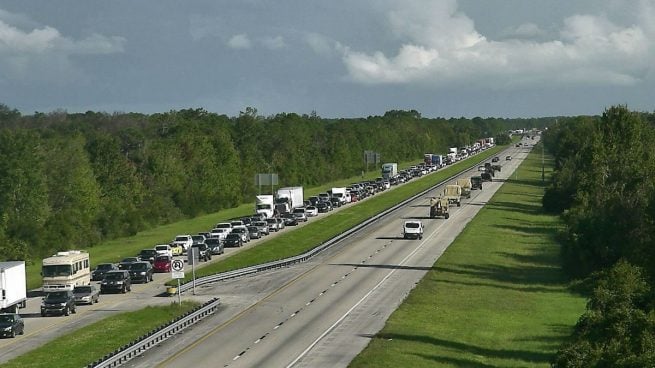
{"x": 413, "y": 229}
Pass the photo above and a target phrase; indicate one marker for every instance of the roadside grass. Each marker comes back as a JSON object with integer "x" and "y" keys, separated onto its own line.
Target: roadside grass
{"x": 303, "y": 239}
{"x": 496, "y": 298}
{"x": 117, "y": 249}
{"x": 89, "y": 343}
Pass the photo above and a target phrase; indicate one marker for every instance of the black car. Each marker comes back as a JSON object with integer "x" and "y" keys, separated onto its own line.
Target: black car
{"x": 141, "y": 272}
{"x": 322, "y": 207}
{"x": 58, "y": 302}
{"x": 11, "y": 324}
{"x": 476, "y": 182}
{"x": 101, "y": 269}
{"x": 335, "y": 202}
{"x": 486, "y": 176}
{"x": 116, "y": 281}
{"x": 126, "y": 262}
{"x": 314, "y": 200}
{"x": 495, "y": 159}
{"x": 215, "y": 246}
{"x": 233, "y": 240}
{"x": 148, "y": 255}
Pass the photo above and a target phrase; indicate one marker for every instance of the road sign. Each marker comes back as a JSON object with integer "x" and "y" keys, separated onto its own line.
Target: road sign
{"x": 177, "y": 274}
{"x": 177, "y": 265}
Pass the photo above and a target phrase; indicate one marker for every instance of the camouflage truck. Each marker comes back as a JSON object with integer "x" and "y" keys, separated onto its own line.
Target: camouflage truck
{"x": 439, "y": 207}
{"x": 453, "y": 193}
{"x": 466, "y": 185}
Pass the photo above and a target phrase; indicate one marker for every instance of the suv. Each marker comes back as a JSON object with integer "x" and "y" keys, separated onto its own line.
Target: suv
{"x": 141, "y": 272}
{"x": 148, "y": 255}
{"x": 413, "y": 229}
{"x": 116, "y": 281}
{"x": 11, "y": 324}
{"x": 184, "y": 241}
{"x": 58, "y": 302}
{"x": 203, "y": 251}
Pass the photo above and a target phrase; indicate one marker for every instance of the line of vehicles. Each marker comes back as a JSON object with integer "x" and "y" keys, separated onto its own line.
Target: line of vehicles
{"x": 67, "y": 276}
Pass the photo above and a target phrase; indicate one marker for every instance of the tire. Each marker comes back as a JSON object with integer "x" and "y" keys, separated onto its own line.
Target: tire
{"x": 459, "y": 204}
{"x": 446, "y": 216}
{"x": 42, "y": 314}
{"x": 67, "y": 311}
{"x": 13, "y": 333}
{"x": 22, "y": 331}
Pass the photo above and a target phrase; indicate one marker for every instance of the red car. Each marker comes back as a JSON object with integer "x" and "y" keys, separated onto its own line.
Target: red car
{"x": 162, "y": 263}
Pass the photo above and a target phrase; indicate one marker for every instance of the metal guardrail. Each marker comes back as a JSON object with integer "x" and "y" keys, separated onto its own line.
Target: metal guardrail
{"x": 155, "y": 337}
{"x": 314, "y": 251}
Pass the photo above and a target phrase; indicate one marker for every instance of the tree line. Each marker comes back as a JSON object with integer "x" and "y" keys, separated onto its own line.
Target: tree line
{"x": 604, "y": 188}
{"x": 73, "y": 180}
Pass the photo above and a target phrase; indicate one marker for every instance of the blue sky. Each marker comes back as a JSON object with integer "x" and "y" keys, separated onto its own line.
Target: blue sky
{"x": 447, "y": 58}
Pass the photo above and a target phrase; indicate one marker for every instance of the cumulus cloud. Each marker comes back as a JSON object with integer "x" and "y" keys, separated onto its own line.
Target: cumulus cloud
{"x": 441, "y": 46}
{"x": 45, "y": 52}
{"x": 240, "y": 41}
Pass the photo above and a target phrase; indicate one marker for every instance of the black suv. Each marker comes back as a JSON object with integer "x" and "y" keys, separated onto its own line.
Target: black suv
{"x": 141, "y": 272}
{"x": 116, "y": 281}
{"x": 58, "y": 302}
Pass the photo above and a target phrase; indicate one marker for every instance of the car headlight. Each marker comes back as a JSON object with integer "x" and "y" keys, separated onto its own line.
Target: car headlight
{"x": 142, "y": 273}
{"x": 6, "y": 328}
{"x": 119, "y": 282}
{"x": 62, "y": 304}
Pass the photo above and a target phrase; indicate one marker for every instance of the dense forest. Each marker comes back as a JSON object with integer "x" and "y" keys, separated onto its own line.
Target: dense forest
{"x": 73, "y": 180}
{"x": 604, "y": 187}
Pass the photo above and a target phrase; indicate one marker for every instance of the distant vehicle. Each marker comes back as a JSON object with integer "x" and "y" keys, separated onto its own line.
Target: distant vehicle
{"x": 508, "y": 158}
{"x": 163, "y": 250}
{"x": 184, "y": 241}
{"x": 100, "y": 270}
{"x": 198, "y": 239}
{"x": 148, "y": 255}
{"x": 220, "y": 233}
{"x": 141, "y": 272}
{"x": 233, "y": 240}
{"x": 238, "y": 224}
{"x": 203, "y": 251}
{"x": 495, "y": 159}
{"x": 58, "y": 302}
{"x": 439, "y": 207}
{"x": 312, "y": 211}
{"x": 11, "y": 324}
{"x": 126, "y": 262}
{"x": 116, "y": 281}
{"x": 263, "y": 227}
{"x": 13, "y": 286}
{"x": 265, "y": 204}
{"x": 485, "y": 176}
{"x": 413, "y": 229}
{"x": 290, "y": 219}
{"x": 243, "y": 232}
{"x": 340, "y": 193}
{"x": 273, "y": 224}
{"x": 215, "y": 245}
{"x": 162, "y": 263}
{"x": 322, "y": 207}
{"x": 224, "y": 225}
{"x": 299, "y": 214}
{"x": 64, "y": 270}
{"x": 176, "y": 250}
{"x": 290, "y": 197}
{"x": 335, "y": 202}
{"x": 86, "y": 294}
{"x": 254, "y": 232}
{"x": 476, "y": 182}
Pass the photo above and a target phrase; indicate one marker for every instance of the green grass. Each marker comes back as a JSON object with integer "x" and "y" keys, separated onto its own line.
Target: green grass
{"x": 303, "y": 239}
{"x": 496, "y": 298}
{"x": 89, "y": 343}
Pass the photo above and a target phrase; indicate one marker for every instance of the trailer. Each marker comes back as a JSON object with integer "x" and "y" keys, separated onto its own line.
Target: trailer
{"x": 13, "y": 286}
{"x": 291, "y": 197}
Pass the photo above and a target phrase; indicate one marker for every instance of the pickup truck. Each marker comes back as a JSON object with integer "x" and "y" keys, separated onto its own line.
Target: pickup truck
{"x": 413, "y": 229}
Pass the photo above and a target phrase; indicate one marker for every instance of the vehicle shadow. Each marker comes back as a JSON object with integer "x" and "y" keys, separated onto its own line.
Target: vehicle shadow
{"x": 415, "y": 217}
{"x": 382, "y": 266}
{"x": 30, "y": 315}
{"x": 390, "y": 238}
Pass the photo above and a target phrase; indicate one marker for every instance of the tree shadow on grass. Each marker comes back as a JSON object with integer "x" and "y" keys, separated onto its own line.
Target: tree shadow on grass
{"x": 524, "y": 355}
{"x": 458, "y": 362}
{"x": 519, "y": 207}
{"x": 523, "y": 289}
{"x": 524, "y": 274}
{"x": 530, "y": 230}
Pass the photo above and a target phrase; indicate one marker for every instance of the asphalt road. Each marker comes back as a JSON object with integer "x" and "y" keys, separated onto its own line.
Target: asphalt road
{"x": 322, "y": 313}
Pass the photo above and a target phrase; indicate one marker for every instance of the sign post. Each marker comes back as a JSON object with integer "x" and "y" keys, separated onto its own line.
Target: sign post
{"x": 177, "y": 272}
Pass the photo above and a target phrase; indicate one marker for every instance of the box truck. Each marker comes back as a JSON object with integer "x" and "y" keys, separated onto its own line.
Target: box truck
{"x": 389, "y": 170}
{"x": 13, "y": 287}
{"x": 289, "y": 198}
{"x": 265, "y": 204}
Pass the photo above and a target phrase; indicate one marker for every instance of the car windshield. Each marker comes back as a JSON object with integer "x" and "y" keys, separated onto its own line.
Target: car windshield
{"x": 4, "y": 318}
{"x": 181, "y": 239}
{"x": 113, "y": 276}
{"x": 198, "y": 237}
{"x": 82, "y": 289}
{"x": 233, "y": 236}
{"x": 55, "y": 295}
{"x": 129, "y": 260}
{"x": 162, "y": 247}
{"x": 253, "y": 229}
{"x": 271, "y": 221}
{"x": 138, "y": 266}
{"x": 163, "y": 259}
{"x": 223, "y": 226}
{"x": 212, "y": 241}
{"x": 238, "y": 230}
{"x": 104, "y": 266}
{"x": 148, "y": 252}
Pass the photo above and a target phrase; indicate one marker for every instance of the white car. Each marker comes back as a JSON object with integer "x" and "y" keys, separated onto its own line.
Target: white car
{"x": 311, "y": 211}
{"x": 184, "y": 241}
{"x": 220, "y": 233}
{"x": 164, "y": 250}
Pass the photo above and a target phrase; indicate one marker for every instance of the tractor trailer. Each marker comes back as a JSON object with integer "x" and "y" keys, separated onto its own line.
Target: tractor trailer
{"x": 13, "y": 287}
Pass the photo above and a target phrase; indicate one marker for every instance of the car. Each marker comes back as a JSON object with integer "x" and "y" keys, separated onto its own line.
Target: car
{"x": 163, "y": 250}
{"x": 508, "y": 158}
{"x": 495, "y": 159}
{"x": 100, "y": 270}
{"x": 237, "y": 224}
{"x": 485, "y": 176}
{"x": 141, "y": 272}
{"x": 197, "y": 239}
{"x": 335, "y": 202}
{"x": 273, "y": 224}
{"x": 220, "y": 233}
{"x": 116, "y": 281}
{"x": 148, "y": 255}
{"x": 126, "y": 262}
{"x": 184, "y": 241}
{"x": 86, "y": 294}
{"x": 203, "y": 251}
{"x": 263, "y": 227}
{"x": 176, "y": 250}
{"x": 11, "y": 324}
{"x": 243, "y": 232}
{"x": 253, "y": 232}
{"x": 322, "y": 207}
{"x": 223, "y": 225}
{"x": 314, "y": 200}
{"x": 289, "y": 219}
{"x": 162, "y": 263}
{"x": 299, "y": 214}
{"x": 60, "y": 302}
{"x": 233, "y": 240}
{"x": 312, "y": 211}
{"x": 215, "y": 245}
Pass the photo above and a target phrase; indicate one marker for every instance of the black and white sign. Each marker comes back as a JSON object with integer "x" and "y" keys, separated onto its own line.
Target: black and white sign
{"x": 177, "y": 265}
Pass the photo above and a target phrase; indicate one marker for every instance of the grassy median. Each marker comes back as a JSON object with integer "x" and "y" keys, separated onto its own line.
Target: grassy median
{"x": 89, "y": 343}
{"x": 496, "y": 298}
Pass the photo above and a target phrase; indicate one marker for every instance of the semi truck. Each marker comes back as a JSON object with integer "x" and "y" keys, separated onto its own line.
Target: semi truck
{"x": 439, "y": 207}
{"x": 13, "y": 287}
{"x": 466, "y": 185}
{"x": 265, "y": 204}
{"x": 389, "y": 170}
{"x": 427, "y": 159}
{"x": 438, "y": 160}
{"x": 453, "y": 193}
{"x": 289, "y": 198}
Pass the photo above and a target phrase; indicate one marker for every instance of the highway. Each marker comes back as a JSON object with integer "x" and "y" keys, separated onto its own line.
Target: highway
{"x": 323, "y": 312}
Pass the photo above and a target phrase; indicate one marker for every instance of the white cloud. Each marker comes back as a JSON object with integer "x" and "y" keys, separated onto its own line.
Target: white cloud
{"x": 441, "y": 46}
{"x": 323, "y": 45}
{"x": 273, "y": 43}
{"x": 240, "y": 41}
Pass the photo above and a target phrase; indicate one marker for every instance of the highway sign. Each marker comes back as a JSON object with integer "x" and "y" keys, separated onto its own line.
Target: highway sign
{"x": 177, "y": 265}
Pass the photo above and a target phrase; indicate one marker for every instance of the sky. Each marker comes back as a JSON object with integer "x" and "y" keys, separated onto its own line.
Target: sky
{"x": 339, "y": 58}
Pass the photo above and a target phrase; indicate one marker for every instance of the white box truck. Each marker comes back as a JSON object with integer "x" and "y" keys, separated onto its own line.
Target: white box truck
{"x": 290, "y": 197}
{"x": 265, "y": 204}
{"x": 389, "y": 170}
{"x": 13, "y": 287}
{"x": 340, "y": 194}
